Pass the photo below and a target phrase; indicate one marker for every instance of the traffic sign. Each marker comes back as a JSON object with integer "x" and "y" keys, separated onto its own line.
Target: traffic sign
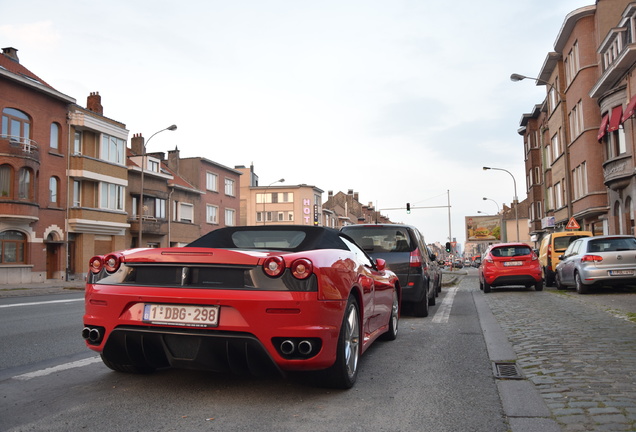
{"x": 572, "y": 224}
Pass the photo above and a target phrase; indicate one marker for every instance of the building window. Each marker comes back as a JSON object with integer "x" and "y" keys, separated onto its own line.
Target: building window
{"x": 548, "y": 155}
{"x": 54, "y": 140}
{"x": 160, "y": 208}
{"x": 112, "y": 196}
{"x": 539, "y": 210}
{"x": 6, "y": 180}
{"x": 54, "y": 184}
{"x": 153, "y": 165}
{"x": 16, "y": 125}
{"x": 572, "y": 63}
{"x": 549, "y": 199}
{"x": 77, "y": 193}
{"x": 229, "y": 187}
{"x": 576, "y": 121}
{"x": 229, "y": 217}
{"x": 556, "y": 146}
{"x": 211, "y": 182}
{"x": 12, "y": 247}
{"x": 77, "y": 143}
{"x": 579, "y": 180}
{"x": 112, "y": 149}
{"x": 185, "y": 212}
{"x": 25, "y": 177}
{"x": 558, "y": 196}
{"x": 212, "y": 214}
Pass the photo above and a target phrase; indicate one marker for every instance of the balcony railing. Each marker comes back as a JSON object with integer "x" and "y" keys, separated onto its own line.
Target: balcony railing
{"x": 26, "y": 145}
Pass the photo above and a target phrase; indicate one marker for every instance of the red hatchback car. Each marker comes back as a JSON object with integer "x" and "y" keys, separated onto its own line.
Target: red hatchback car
{"x": 242, "y": 299}
{"x": 506, "y": 264}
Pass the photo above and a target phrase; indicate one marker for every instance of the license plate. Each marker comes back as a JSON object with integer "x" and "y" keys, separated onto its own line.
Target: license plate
{"x": 621, "y": 272}
{"x": 513, "y": 263}
{"x": 185, "y": 315}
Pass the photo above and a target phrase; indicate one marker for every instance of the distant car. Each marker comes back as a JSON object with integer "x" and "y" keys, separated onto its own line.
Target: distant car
{"x": 508, "y": 264}
{"x": 242, "y": 299}
{"x": 552, "y": 246}
{"x": 598, "y": 261}
{"x": 406, "y": 254}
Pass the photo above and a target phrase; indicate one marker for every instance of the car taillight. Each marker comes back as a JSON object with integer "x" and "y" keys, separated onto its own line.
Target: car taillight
{"x": 96, "y": 264}
{"x": 415, "y": 259}
{"x": 591, "y": 258}
{"x": 274, "y": 266}
{"x": 302, "y": 268}
{"x": 112, "y": 262}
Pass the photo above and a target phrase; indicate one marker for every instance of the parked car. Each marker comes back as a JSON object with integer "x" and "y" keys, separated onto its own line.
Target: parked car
{"x": 242, "y": 299}
{"x": 596, "y": 261}
{"x": 552, "y": 246}
{"x": 403, "y": 249}
{"x": 506, "y": 264}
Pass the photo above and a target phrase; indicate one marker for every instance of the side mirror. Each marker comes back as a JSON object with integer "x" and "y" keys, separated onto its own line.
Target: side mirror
{"x": 380, "y": 264}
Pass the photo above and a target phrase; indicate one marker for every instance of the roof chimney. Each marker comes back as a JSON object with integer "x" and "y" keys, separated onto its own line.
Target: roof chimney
{"x": 11, "y": 53}
{"x": 94, "y": 103}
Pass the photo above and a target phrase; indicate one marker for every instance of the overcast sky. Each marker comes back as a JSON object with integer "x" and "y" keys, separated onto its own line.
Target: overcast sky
{"x": 399, "y": 100}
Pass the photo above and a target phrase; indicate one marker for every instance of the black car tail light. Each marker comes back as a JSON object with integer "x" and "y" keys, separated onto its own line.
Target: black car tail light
{"x": 415, "y": 259}
{"x": 274, "y": 266}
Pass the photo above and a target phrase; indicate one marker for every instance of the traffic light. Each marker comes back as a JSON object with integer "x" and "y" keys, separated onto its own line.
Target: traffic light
{"x": 408, "y": 207}
{"x": 448, "y": 247}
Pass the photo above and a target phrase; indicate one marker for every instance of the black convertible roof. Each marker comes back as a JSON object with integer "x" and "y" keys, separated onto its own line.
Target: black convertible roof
{"x": 294, "y": 238}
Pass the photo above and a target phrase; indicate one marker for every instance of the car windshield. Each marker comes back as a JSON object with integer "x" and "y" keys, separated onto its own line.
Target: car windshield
{"x": 511, "y": 251}
{"x": 381, "y": 239}
{"x": 612, "y": 244}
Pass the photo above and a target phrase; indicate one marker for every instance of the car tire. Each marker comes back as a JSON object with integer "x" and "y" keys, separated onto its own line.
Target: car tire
{"x": 126, "y": 368}
{"x": 549, "y": 277}
{"x": 557, "y": 281}
{"x": 420, "y": 308}
{"x": 580, "y": 287}
{"x": 539, "y": 285}
{"x": 481, "y": 285}
{"x": 344, "y": 371}
{"x": 394, "y": 320}
{"x": 487, "y": 287}
{"x": 431, "y": 298}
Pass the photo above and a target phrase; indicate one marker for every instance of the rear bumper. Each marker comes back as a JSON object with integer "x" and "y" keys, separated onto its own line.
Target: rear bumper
{"x": 514, "y": 280}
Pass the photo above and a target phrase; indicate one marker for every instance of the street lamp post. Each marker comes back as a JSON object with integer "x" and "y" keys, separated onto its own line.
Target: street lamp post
{"x": 481, "y": 212}
{"x": 502, "y": 235}
{"x": 141, "y": 195}
{"x": 515, "y": 199}
{"x": 496, "y": 203}
{"x": 265, "y": 198}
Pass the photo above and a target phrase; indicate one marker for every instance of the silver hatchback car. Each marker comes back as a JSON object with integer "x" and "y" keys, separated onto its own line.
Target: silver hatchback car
{"x": 598, "y": 261}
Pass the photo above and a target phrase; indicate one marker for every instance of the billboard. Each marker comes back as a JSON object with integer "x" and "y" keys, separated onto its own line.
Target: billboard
{"x": 483, "y": 228}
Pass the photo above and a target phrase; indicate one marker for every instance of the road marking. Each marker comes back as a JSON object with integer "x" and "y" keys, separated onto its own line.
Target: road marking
{"x": 65, "y": 366}
{"x": 41, "y": 303}
{"x": 442, "y": 314}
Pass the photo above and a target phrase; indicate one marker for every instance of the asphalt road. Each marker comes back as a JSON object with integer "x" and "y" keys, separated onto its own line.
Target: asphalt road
{"x": 437, "y": 376}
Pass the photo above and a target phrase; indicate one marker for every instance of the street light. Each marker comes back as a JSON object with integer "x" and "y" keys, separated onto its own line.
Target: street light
{"x": 481, "y": 212}
{"x": 515, "y": 199}
{"x": 496, "y": 203}
{"x": 141, "y": 195}
{"x": 265, "y": 198}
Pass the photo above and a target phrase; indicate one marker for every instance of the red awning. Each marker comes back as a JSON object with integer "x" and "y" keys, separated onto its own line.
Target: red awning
{"x": 629, "y": 111}
{"x": 603, "y": 129}
{"x": 615, "y": 118}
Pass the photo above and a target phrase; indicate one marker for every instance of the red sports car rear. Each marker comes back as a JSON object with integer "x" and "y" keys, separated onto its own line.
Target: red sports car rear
{"x": 243, "y": 299}
{"x": 508, "y": 264}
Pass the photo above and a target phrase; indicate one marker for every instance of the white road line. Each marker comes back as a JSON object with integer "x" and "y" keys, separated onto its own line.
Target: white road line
{"x": 442, "y": 314}
{"x": 40, "y": 303}
{"x": 65, "y": 366}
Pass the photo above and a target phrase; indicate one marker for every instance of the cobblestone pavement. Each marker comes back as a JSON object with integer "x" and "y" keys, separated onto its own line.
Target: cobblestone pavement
{"x": 581, "y": 357}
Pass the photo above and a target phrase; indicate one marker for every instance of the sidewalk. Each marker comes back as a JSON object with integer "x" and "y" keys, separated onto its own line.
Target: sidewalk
{"x": 44, "y": 288}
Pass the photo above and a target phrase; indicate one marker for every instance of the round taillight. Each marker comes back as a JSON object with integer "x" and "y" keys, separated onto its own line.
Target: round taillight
{"x": 96, "y": 264}
{"x": 274, "y": 266}
{"x": 302, "y": 268}
{"x": 112, "y": 263}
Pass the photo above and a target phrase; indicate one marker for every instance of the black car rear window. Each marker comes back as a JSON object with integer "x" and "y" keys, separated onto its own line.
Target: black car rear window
{"x": 383, "y": 239}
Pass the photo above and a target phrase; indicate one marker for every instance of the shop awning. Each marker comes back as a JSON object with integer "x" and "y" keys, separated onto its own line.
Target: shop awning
{"x": 616, "y": 118}
{"x": 603, "y": 129}
{"x": 629, "y": 111}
